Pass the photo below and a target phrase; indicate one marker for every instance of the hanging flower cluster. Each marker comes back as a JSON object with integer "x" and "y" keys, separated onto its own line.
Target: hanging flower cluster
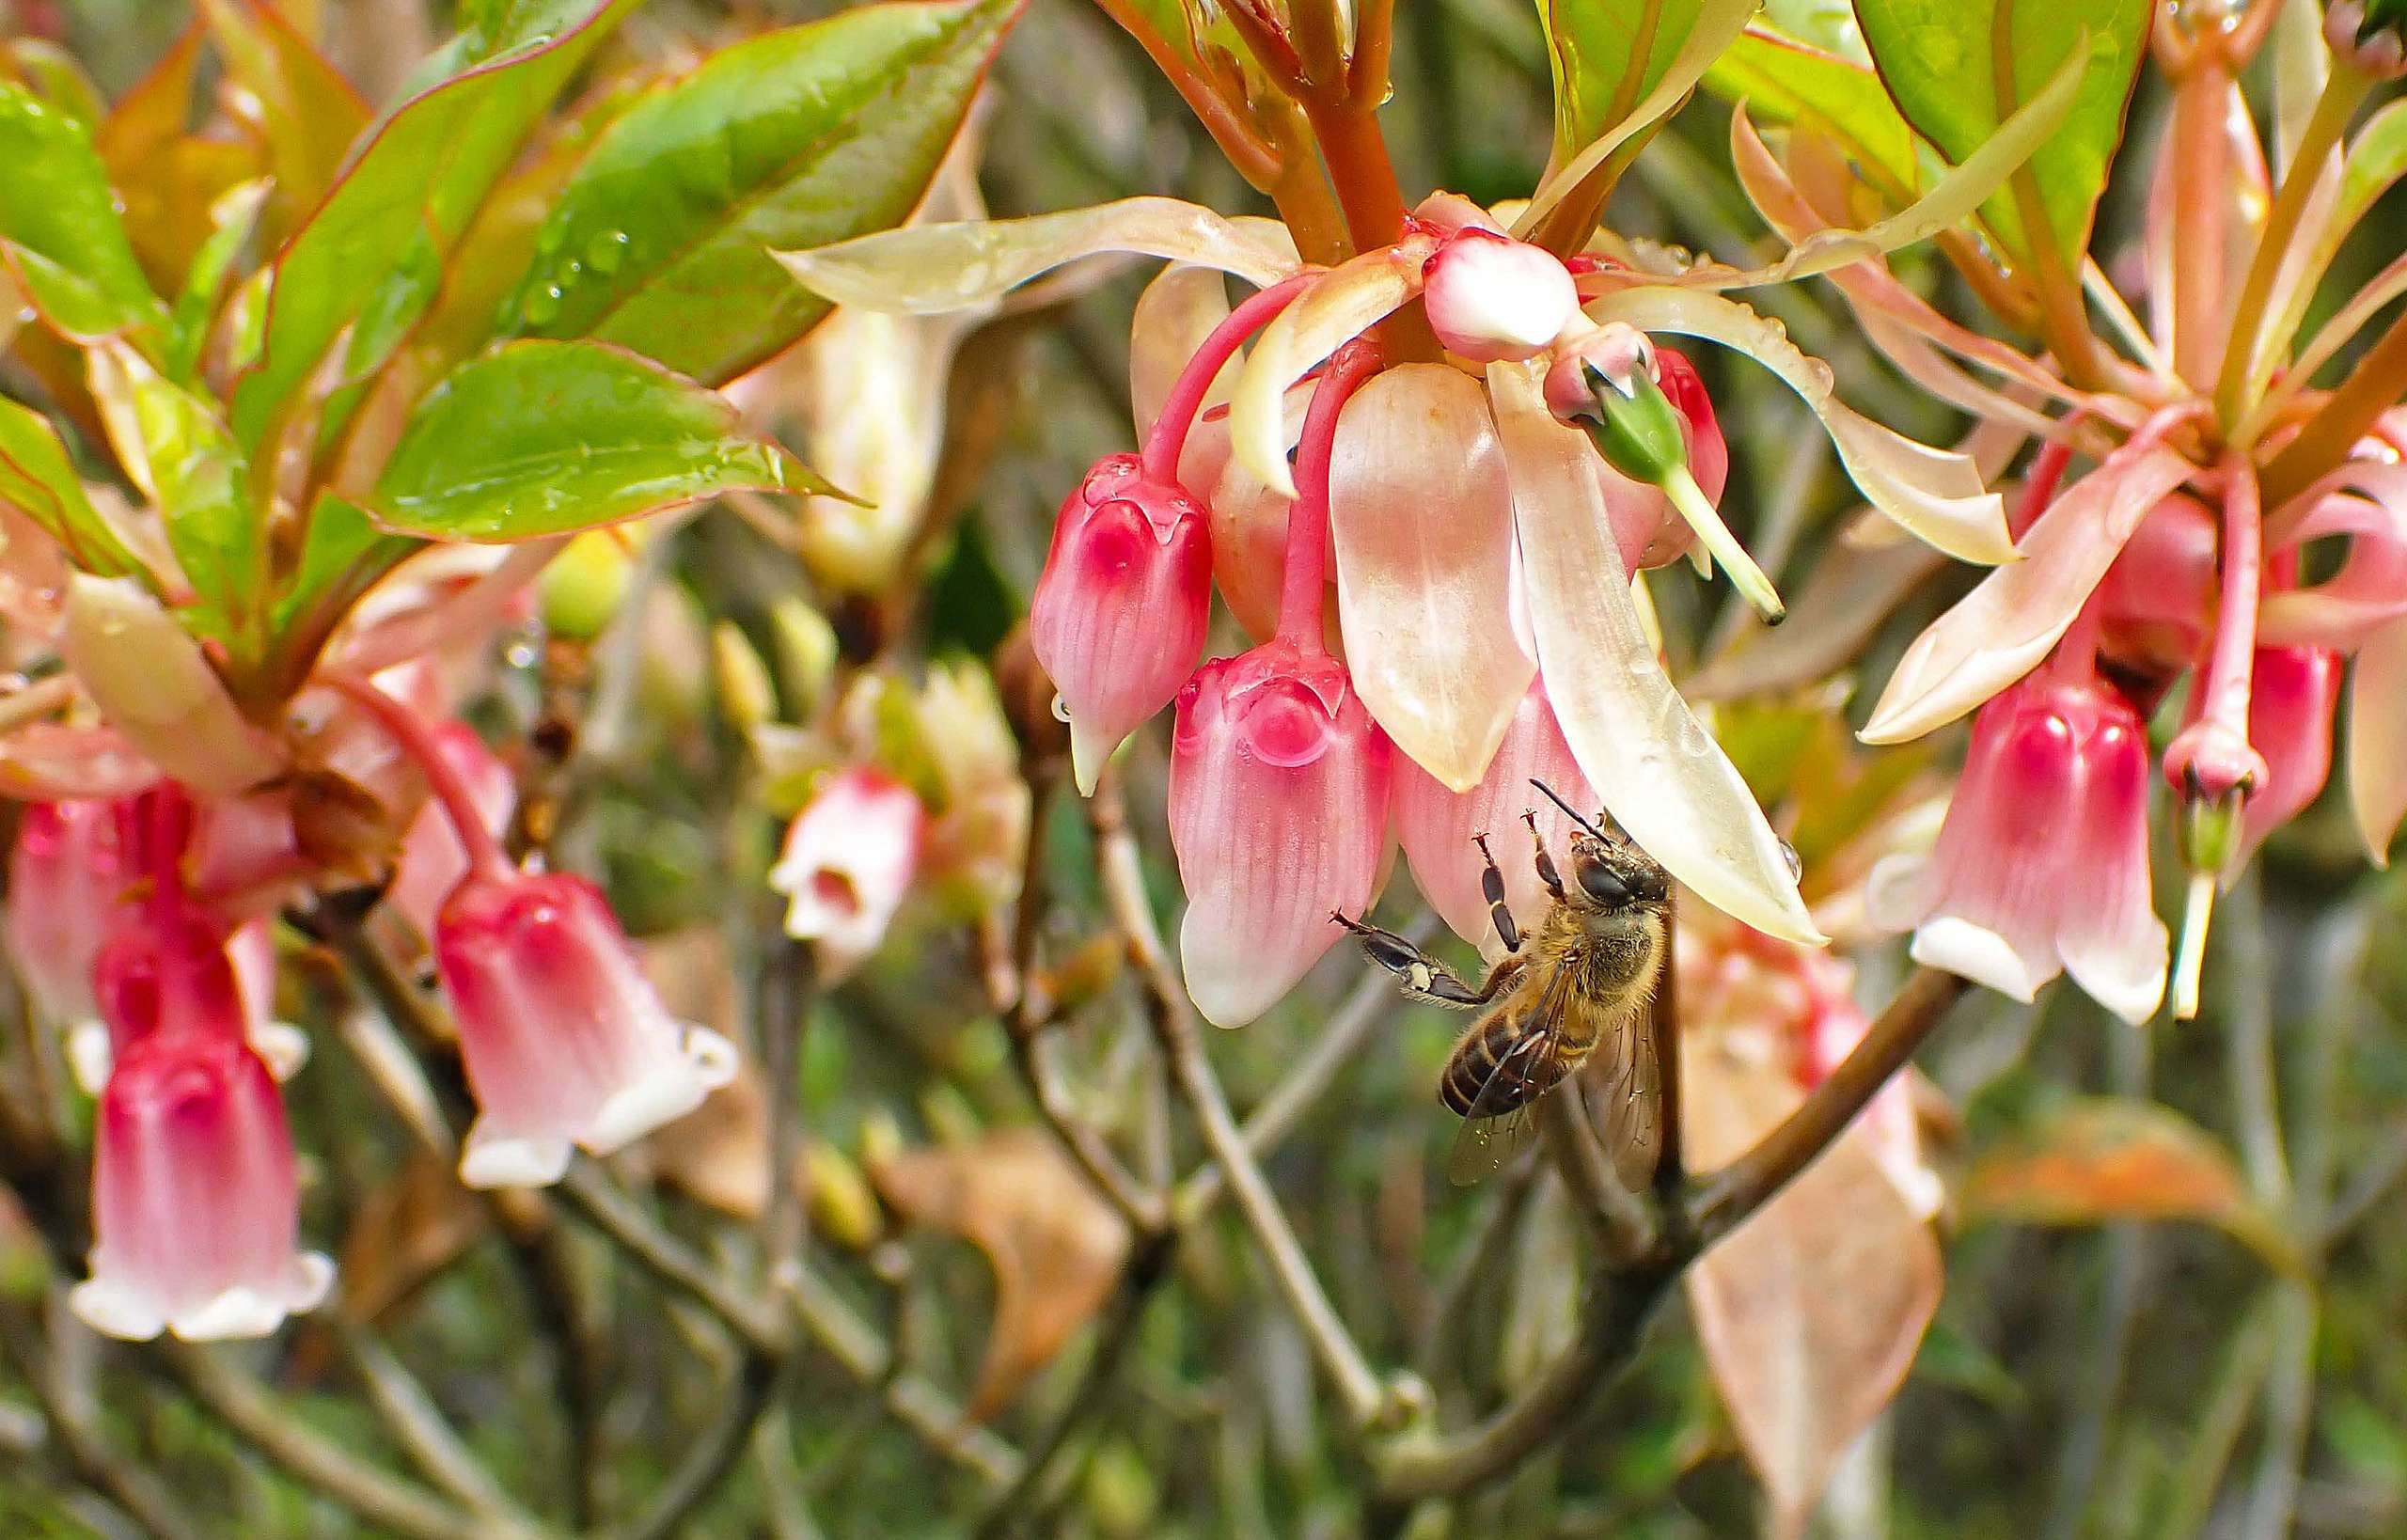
{"x": 1482, "y": 444}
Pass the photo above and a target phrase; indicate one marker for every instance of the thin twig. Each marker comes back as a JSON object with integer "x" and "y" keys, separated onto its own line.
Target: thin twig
{"x": 376, "y": 1495}
{"x": 788, "y": 983}
{"x": 84, "y": 1449}
{"x": 714, "y": 1454}
{"x": 2374, "y": 1182}
{"x": 1740, "y": 1188}
{"x": 1367, "y": 1403}
{"x": 417, "y": 1425}
{"x": 591, "y": 1193}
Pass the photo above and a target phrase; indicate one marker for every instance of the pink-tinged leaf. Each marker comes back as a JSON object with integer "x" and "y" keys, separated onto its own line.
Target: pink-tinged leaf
{"x": 1422, "y": 516}
{"x": 1936, "y": 494}
{"x": 2100, "y": 1159}
{"x": 925, "y": 269}
{"x": 1811, "y": 1312}
{"x": 156, "y": 687}
{"x": 1354, "y": 297}
{"x": 2370, "y": 590}
{"x": 2333, "y": 335}
{"x": 2378, "y": 738}
{"x": 2001, "y": 630}
{"x": 1659, "y": 772}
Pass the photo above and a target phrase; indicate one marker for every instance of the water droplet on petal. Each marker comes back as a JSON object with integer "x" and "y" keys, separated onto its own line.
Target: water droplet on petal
{"x": 1061, "y": 709}
{"x": 1789, "y": 858}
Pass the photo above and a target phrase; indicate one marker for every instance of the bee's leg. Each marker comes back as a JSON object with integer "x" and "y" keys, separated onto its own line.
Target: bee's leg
{"x": 1545, "y": 861}
{"x": 1492, "y": 884}
{"x": 1425, "y": 977}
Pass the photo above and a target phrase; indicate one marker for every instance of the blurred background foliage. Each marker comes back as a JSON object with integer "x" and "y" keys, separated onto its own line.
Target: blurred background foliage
{"x": 2112, "y": 1357}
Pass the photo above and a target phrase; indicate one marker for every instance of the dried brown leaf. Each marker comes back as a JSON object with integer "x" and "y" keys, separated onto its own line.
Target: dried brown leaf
{"x": 1810, "y": 1314}
{"x": 1055, "y": 1248}
{"x": 404, "y": 1233}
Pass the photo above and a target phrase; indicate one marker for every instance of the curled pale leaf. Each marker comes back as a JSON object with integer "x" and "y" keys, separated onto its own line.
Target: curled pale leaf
{"x": 2001, "y": 630}
{"x": 1951, "y": 200}
{"x": 924, "y": 269}
{"x": 1811, "y": 1312}
{"x": 1936, "y": 494}
{"x": 1354, "y": 297}
{"x": 2329, "y": 339}
{"x": 2378, "y": 738}
{"x": 154, "y": 687}
{"x": 2365, "y": 501}
{"x": 1055, "y": 1248}
{"x": 1423, "y": 516}
{"x": 1659, "y": 772}
{"x": 1717, "y": 24}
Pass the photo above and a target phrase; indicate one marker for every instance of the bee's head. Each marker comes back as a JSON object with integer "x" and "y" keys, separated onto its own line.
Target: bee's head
{"x": 1613, "y": 875}
{"x": 1609, "y": 872}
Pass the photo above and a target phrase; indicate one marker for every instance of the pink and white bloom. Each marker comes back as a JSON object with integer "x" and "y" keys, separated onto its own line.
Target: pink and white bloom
{"x": 195, "y": 1195}
{"x": 2043, "y": 863}
{"x": 566, "y": 1042}
{"x": 68, "y": 877}
{"x": 1278, "y": 813}
{"x": 2292, "y": 697}
{"x": 432, "y": 860}
{"x": 153, "y": 942}
{"x": 1492, "y": 298}
{"x": 1118, "y": 616}
{"x": 849, "y": 859}
{"x": 1436, "y": 826}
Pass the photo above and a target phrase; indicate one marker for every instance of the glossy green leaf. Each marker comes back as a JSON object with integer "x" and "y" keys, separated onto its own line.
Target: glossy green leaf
{"x": 1606, "y": 53}
{"x": 424, "y": 169}
{"x": 175, "y": 449}
{"x": 53, "y": 75}
{"x": 344, "y": 555}
{"x": 233, "y": 219}
{"x": 1939, "y": 60}
{"x": 39, "y": 481}
{"x": 308, "y": 113}
{"x": 59, "y": 228}
{"x": 796, "y": 139}
{"x": 541, "y": 438}
{"x": 1781, "y": 81}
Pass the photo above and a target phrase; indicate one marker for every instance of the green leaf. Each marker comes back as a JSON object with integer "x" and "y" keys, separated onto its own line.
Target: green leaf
{"x": 233, "y": 217}
{"x": 1938, "y": 60}
{"x": 53, "y": 73}
{"x": 344, "y": 555}
{"x": 1606, "y": 53}
{"x": 39, "y": 481}
{"x": 796, "y": 139}
{"x": 424, "y": 168}
{"x": 309, "y": 114}
{"x": 1783, "y": 82}
{"x": 175, "y": 449}
{"x": 59, "y": 228}
{"x": 543, "y": 438}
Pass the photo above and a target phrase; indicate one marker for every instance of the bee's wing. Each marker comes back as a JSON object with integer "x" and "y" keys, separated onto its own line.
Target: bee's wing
{"x": 1630, "y": 1094}
{"x": 1493, "y": 1132}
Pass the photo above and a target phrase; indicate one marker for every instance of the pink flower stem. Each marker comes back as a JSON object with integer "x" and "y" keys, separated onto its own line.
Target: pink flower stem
{"x": 486, "y": 858}
{"x": 2040, "y": 486}
{"x": 2231, "y": 663}
{"x": 1168, "y": 438}
{"x": 1306, "y": 576}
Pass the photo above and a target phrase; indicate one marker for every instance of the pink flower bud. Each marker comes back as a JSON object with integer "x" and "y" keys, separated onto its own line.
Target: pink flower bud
{"x": 1435, "y": 826}
{"x": 1278, "y": 812}
{"x": 432, "y": 860}
{"x": 2157, "y": 603}
{"x": 1118, "y": 614}
{"x": 195, "y": 1197}
{"x": 565, "y": 1042}
{"x": 2043, "y": 863}
{"x": 848, "y": 861}
{"x": 2290, "y": 703}
{"x": 1492, "y": 298}
{"x": 68, "y": 877}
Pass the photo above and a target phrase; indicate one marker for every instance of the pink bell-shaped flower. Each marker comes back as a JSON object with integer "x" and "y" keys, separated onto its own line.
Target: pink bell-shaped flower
{"x": 1436, "y": 826}
{"x": 432, "y": 860}
{"x": 68, "y": 877}
{"x": 2042, "y": 862}
{"x": 848, "y": 859}
{"x": 565, "y": 1042}
{"x": 194, "y": 1199}
{"x": 158, "y": 968}
{"x": 2291, "y": 702}
{"x": 1278, "y": 813}
{"x": 1118, "y": 616}
{"x": 1492, "y": 298}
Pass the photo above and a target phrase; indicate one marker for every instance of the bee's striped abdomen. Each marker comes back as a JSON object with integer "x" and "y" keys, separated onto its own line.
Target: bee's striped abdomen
{"x": 1486, "y": 1046}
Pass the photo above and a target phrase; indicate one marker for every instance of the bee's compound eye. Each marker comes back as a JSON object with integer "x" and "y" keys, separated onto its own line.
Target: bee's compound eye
{"x": 1603, "y": 884}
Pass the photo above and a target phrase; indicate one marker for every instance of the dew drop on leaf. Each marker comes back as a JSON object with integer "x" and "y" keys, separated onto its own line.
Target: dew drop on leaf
{"x": 605, "y": 251}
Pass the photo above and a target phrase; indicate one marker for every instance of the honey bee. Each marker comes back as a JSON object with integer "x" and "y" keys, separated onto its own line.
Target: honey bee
{"x": 1577, "y": 984}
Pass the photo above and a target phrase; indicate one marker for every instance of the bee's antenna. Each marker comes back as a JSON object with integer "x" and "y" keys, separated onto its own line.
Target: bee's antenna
{"x": 1567, "y": 808}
